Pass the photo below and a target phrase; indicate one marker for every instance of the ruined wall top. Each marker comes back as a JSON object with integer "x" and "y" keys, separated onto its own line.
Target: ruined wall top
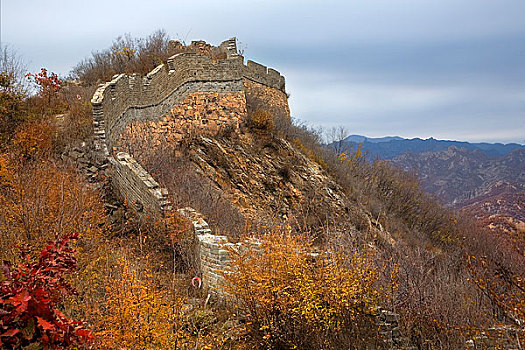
{"x": 128, "y": 97}
{"x": 197, "y": 61}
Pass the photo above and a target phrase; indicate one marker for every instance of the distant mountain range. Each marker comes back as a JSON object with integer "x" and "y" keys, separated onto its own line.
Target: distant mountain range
{"x": 490, "y": 189}
{"x": 392, "y": 146}
{"x": 485, "y": 180}
{"x": 457, "y": 175}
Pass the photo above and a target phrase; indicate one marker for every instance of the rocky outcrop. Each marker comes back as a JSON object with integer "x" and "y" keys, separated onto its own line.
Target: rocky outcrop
{"x": 266, "y": 179}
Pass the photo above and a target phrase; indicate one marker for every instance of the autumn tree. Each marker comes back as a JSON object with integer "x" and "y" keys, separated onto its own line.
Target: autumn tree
{"x": 48, "y": 84}
{"x": 127, "y": 54}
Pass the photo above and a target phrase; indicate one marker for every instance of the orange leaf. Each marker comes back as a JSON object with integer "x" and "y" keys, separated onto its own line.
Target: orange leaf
{"x": 44, "y": 324}
{"x": 10, "y": 333}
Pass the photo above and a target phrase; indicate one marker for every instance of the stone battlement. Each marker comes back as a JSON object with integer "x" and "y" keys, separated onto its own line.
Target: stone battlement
{"x": 128, "y": 98}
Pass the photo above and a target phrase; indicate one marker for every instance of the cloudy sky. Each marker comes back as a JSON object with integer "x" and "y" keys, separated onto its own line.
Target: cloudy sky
{"x": 450, "y": 69}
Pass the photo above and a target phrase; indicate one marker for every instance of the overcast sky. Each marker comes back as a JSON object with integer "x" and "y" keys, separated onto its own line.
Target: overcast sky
{"x": 450, "y": 69}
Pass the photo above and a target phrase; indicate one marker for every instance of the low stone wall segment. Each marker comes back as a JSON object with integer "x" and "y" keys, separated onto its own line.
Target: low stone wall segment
{"x": 212, "y": 255}
{"x": 138, "y": 187}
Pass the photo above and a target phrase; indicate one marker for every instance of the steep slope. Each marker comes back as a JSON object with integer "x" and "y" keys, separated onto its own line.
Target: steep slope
{"x": 258, "y": 179}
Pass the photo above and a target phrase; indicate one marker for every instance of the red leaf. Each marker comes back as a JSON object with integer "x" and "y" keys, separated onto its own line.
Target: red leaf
{"x": 44, "y": 324}
{"x": 84, "y": 333}
{"x": 20, "y": 300}
{"x": 10, "y": 333}
{"x": 59, "y": 314}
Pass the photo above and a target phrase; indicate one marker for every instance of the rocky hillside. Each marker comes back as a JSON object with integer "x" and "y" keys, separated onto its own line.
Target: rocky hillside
{"x": 492, "y": 190}
{"x": 503, "y": 205}
{"x": 256, "y": 178}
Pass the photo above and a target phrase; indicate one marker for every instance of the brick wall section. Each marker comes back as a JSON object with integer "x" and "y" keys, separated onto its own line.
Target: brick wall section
{"x": 213, "y": 256}
{"x": 199, "y": 113}
{"x": 128, "y": 98}
{"x": 137, "y": 186}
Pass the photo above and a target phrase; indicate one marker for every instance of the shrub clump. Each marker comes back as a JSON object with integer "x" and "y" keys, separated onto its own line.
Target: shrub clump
{"x": 293, "y": 298}
{"x": 261, "y": 120}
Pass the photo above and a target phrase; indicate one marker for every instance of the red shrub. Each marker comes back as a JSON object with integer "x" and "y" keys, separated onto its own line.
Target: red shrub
{"x": 29, "y": 296}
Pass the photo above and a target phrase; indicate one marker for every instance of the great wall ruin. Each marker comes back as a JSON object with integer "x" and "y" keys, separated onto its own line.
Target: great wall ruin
{"x": 201, "y": 90}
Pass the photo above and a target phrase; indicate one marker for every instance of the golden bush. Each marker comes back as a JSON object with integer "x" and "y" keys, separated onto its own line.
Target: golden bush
{"x": 293, "y": 298}
{"x": 261, "y": 120}
{"x": 138, "y": 314}
{"x": 34, "y": 139}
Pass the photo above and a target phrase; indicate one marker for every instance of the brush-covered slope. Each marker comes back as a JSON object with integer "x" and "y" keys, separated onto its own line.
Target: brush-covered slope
{"x": 255, "y": 178}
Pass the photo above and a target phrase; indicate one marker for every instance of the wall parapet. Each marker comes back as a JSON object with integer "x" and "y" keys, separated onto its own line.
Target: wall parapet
{"x": 263, "y": 75}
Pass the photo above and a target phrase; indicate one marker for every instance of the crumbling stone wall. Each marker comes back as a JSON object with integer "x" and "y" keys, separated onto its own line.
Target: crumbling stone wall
{"x": 132, "y": 98}
{"x": 212, "y": 255}
{"x": 213, "y": 251}
{"x": 200, "y": 113}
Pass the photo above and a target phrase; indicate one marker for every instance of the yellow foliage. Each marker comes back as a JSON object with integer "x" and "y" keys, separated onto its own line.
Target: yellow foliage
{"x": 34, "y": 139}
{"x": 126, "y": 52}
{"x": 261, "y": 120}
{"x": 293, "y": 296}
{"x": 174, "y": 226}
{"x": 353, "y": 158}
{"x": 138, "y": 314}
{"x": 6, "y": 172}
